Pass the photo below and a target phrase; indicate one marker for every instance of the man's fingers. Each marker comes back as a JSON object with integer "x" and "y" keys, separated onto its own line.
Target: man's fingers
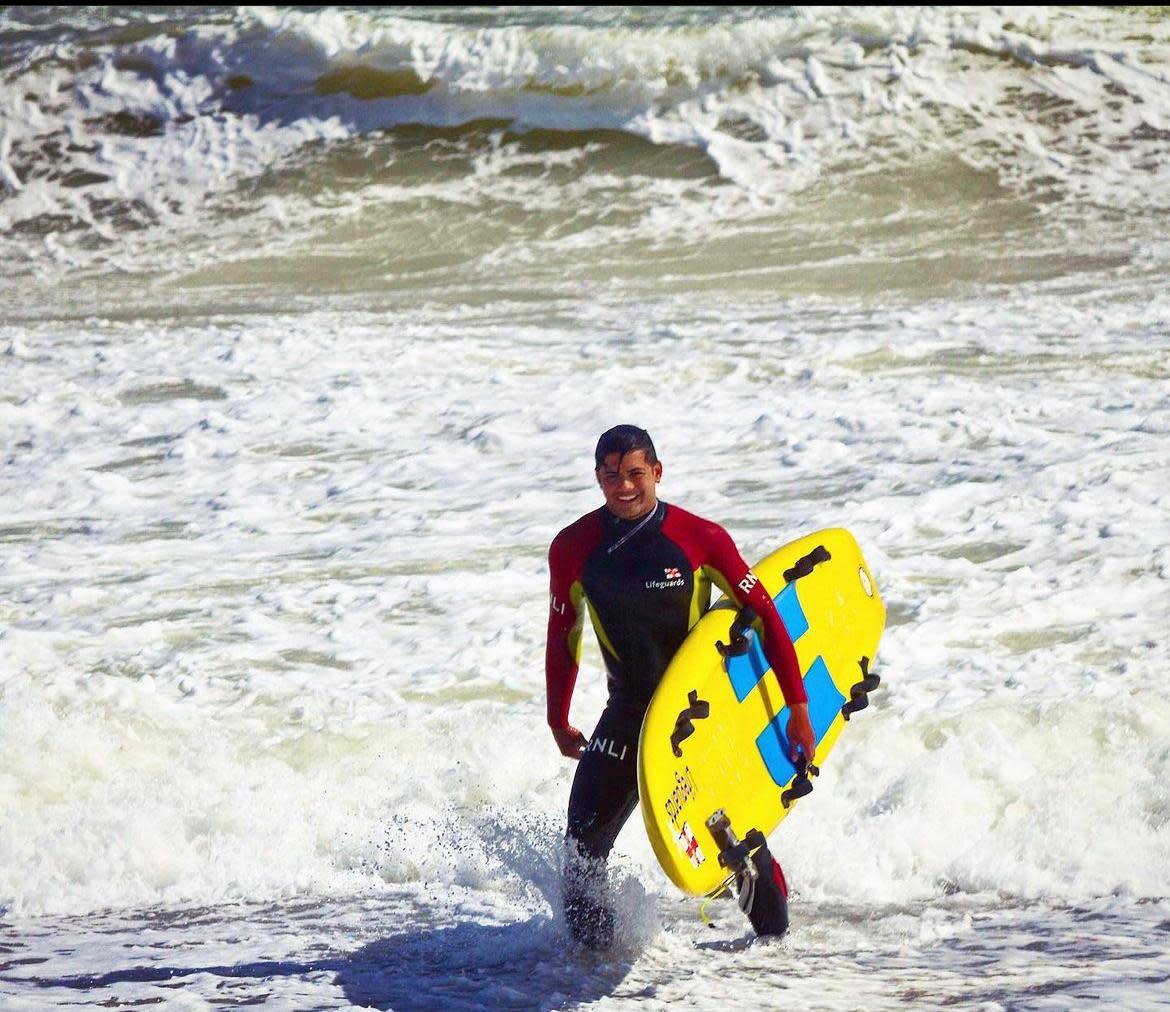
{"x": 801, "y": 737}
{"x": 570, "y": 741}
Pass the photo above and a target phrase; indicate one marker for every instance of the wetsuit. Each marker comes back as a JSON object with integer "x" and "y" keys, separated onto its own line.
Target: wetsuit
{"x": 645, "y": 583}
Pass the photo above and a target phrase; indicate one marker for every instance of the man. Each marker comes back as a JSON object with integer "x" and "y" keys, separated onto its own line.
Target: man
{"x": 614, "y": 560}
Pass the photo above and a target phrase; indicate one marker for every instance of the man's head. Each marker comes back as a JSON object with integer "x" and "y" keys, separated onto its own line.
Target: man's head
{"x": 628, "y": 470}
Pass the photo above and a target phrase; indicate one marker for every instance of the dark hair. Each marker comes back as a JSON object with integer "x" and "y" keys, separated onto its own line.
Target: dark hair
{"x": 623, "y": 439}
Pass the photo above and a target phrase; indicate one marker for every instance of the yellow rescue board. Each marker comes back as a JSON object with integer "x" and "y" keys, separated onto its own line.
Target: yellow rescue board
{"x": 732, "y": 753}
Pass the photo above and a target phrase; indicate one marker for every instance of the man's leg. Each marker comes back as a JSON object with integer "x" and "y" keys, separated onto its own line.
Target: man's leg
{"x": 764, "y": 896}
{"x": 605, "y": 792}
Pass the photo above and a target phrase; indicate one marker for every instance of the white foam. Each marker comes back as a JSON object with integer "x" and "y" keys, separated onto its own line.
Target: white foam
{"x": 253, "y": 609}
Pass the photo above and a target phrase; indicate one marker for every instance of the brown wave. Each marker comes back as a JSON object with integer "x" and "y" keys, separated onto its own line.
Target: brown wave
{"x": 371, "y": 83}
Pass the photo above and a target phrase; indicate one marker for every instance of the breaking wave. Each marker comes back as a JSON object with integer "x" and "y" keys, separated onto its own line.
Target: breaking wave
{"x": 114, "y": 123}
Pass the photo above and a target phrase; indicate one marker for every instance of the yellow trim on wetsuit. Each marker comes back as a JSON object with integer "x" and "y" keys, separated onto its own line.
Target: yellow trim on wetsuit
{"x": 573, "y": 637}
{"x": 700, "y": 596}
{"x": 714, "y": 576}
{"x": 602, "y": 638}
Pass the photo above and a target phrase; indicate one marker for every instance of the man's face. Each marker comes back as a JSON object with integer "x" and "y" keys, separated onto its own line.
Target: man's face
{"x": 628, "y": 483}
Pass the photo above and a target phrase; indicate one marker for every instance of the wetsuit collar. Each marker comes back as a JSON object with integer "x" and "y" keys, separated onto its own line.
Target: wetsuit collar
{"x": 622, "y": 530}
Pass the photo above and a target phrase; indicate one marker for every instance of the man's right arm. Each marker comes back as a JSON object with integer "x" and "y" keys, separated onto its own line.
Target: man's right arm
{"x": 563, "y": 647}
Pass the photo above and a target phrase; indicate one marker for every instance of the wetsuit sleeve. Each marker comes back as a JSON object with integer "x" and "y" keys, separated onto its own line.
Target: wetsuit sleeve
{"x": 563, "y": 648}
{"x": 735, "y": 578}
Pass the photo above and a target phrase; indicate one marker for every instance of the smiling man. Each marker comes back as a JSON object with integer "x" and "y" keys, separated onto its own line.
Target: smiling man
{"x": 644, "y": 569}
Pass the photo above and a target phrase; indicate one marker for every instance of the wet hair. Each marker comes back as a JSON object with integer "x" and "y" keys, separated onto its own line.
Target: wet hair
{"x": 623, "y": 439}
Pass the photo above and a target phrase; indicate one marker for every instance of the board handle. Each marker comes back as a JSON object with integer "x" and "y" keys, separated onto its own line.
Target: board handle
{"x": 737, "y": 635}
{"x": 802, "y": 783}
{"x": 859, "y": 693}
{"x": 805, "y": 565}
{"x": 684, "y": 727}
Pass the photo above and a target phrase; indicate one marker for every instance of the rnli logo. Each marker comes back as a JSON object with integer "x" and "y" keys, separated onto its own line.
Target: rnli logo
{"x": 672, "y": 573}
{"x": 748, "y": 582}
{"x": 608, "y": 746}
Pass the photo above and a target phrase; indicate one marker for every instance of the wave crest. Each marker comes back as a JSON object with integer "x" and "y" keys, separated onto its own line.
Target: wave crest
{"x": 107, "y": 127}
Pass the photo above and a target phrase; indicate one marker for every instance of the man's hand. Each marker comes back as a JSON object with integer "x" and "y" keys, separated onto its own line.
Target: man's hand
{"x": 800, "y": 732}
{"x": 572, "y": 742}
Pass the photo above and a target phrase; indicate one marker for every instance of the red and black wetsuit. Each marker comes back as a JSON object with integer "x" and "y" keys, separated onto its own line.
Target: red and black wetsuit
{"x": 645, "y": 583}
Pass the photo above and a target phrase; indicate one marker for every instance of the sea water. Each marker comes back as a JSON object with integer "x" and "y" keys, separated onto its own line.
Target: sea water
{"x": 310, "y": 321}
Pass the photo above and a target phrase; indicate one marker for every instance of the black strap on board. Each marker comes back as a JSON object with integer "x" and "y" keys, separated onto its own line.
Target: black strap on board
{"x": 802, "y": 784}
{"x": 859, "y": 694}
{"x": 737, "y": 634}
{"x": 684, "y": 727}
{"x": 807, "y": 563}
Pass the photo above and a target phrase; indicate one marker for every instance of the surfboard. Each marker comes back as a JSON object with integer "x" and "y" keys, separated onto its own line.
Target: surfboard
{"x": 713, "y": 754}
